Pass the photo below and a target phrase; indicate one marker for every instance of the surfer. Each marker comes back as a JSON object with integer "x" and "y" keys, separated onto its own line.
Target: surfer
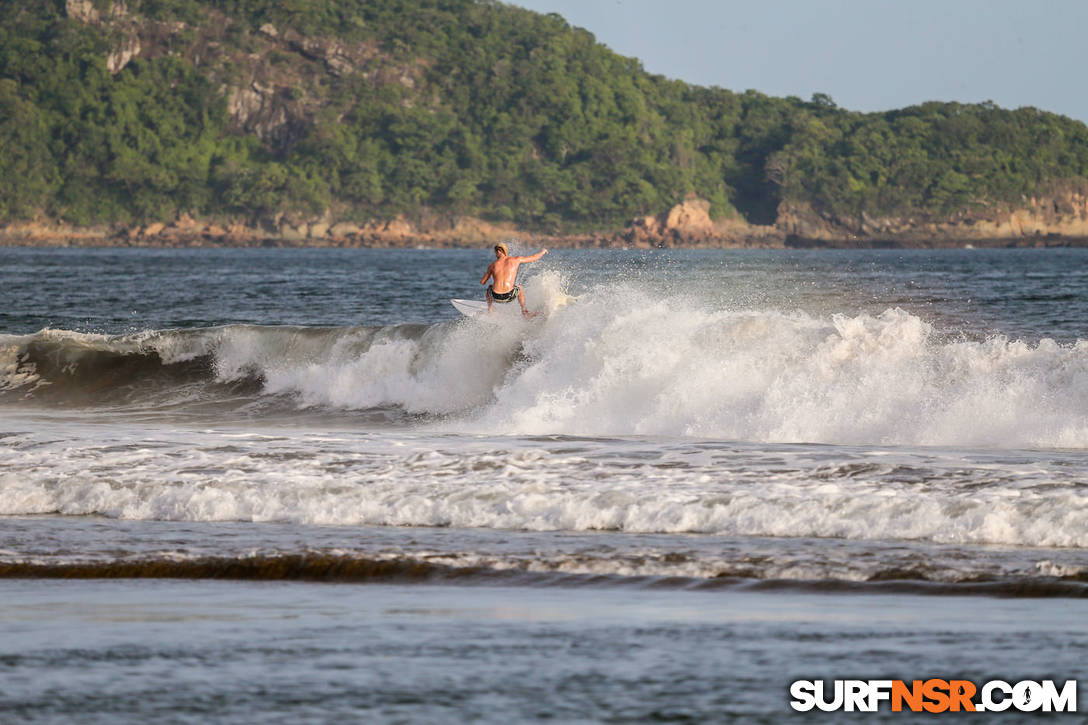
{"x": 504, "y": 272}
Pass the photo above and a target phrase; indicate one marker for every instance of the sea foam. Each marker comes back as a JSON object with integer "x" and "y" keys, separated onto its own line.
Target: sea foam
{"x": 289, "y": 475}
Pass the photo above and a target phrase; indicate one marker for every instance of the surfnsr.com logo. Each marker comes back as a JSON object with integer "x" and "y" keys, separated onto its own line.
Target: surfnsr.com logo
{"x": 933, "y": 695}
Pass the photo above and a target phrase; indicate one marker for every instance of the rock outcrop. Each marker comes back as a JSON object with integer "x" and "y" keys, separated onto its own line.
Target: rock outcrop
{"x": 691, "y": 217}
{"x": 688, "y": 224}
{"x": 1057, "y": 218}
{"x": 128, "y": 48}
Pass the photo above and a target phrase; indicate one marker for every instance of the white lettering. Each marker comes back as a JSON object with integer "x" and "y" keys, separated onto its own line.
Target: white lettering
{"x": 879, "y": 690}
{"x": 804, "y": 697}
{"x": 856, "y": 695}
{"x": 1027, "y": 696}
{"x": 990, "y": 704}
{"x": 1064, "y": 701}
{"x": 834, "y": 704}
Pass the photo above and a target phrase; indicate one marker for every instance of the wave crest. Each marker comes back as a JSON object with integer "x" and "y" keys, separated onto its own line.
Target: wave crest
{"x": 617, "y": 363}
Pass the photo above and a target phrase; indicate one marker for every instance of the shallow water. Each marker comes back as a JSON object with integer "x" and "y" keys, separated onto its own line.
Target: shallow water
{"x": 186, "y": 651}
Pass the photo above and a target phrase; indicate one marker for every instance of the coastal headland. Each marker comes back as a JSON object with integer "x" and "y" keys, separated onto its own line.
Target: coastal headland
{"x": 455, "y": 123}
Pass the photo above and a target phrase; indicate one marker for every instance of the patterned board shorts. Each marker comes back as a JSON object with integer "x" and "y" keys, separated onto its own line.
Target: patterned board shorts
{"x": 504, "y": 296}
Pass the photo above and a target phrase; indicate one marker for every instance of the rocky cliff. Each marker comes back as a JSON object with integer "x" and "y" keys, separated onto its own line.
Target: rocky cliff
{"x": 1058, "y": 220}
{"x": 274, "y": 81}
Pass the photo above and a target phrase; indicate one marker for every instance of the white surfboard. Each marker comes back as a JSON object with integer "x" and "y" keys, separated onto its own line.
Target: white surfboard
{"x": 471, "y": 308}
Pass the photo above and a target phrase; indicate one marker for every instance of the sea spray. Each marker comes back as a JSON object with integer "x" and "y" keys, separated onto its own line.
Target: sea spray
{"x": 621, "y": 364}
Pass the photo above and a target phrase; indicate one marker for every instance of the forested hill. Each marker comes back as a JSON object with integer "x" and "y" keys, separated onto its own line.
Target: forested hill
{"x": 131, "y": 112}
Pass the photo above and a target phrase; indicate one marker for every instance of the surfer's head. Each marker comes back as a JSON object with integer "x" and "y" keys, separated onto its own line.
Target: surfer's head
{"x": 501, "y": 250}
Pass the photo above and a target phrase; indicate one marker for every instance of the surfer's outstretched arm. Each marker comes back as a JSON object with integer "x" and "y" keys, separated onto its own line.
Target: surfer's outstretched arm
{"x": 534, "y": 257}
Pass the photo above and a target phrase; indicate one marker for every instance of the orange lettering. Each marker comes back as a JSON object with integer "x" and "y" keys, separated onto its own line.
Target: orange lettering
{"x": 912, "y": 695}
{"x": 961, "y": 692}
{"x": 936, "y": 691}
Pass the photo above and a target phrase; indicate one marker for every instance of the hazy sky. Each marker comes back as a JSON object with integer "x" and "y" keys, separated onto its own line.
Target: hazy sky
{"x": 868, "y": 55}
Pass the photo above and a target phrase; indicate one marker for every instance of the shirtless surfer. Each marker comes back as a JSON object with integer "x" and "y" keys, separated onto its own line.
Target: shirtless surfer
{"x": 503, "y": 272}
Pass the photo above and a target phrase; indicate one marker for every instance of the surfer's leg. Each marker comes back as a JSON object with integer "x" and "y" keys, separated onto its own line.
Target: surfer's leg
{"x": 521, "y": 301}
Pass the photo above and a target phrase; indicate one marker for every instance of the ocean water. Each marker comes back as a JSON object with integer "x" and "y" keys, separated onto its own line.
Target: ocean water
{"x": 695, "y": 476}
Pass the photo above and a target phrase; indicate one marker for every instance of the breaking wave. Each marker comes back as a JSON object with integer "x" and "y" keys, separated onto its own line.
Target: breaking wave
{"x": 620, "y": 362}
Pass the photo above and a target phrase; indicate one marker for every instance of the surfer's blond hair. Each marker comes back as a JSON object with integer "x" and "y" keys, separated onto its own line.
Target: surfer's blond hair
{"x": 500, "y": 247}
